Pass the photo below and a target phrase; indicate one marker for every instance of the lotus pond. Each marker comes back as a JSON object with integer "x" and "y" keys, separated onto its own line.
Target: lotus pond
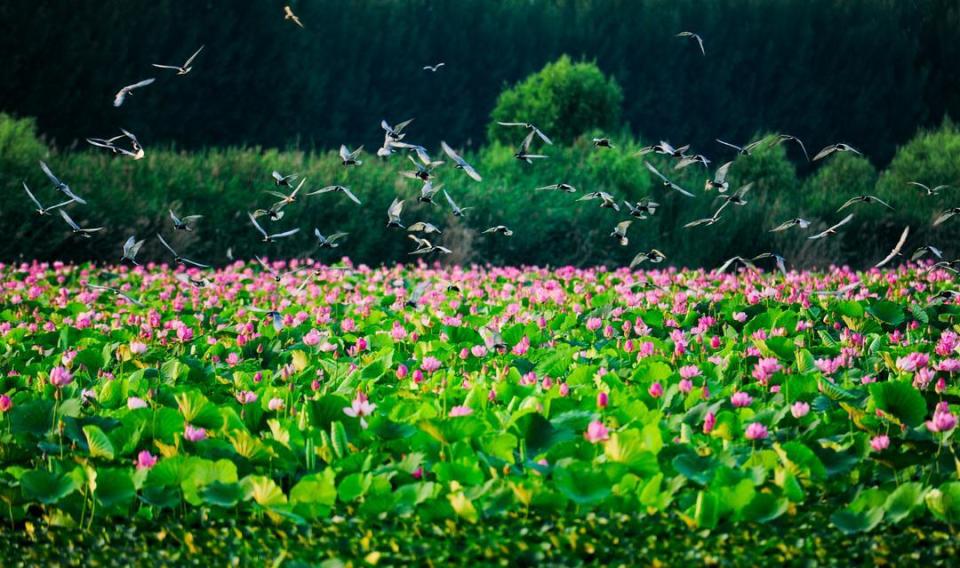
{"x": 310, "y": 396}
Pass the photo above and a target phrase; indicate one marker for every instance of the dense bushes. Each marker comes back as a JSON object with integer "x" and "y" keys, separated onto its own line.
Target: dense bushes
{"x": 131, "y": 197}
{"x": 565, "y": 99}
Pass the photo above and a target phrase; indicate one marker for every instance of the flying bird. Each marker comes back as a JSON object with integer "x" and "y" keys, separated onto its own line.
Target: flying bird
{"x": 337, "y": 189}
{"x": 742, "y": 150}
{"x": 59, "y": 185}
{"x": 433, "y": 68}
{"x": 734, "y": 261}
{"x": 457, "y": 210}
{"x": 694, "y": 36}
{"x": 532, "y": 128}
{"x": 946, "y": 215}
{"x": 719, "y": 181}
{"x": 708, "y": 220}
{"x": 564, "y": 187}
{"x": 284, "y": 180}
{"x": 393, "y": 213}
{"x": 602, "y": 143}
{"x": 424, "y": 227}
{"x": 523, "y": 153}
{"x": 737, "y": 197}
{"x": 780, "y": 261}
{"x": 115, "y": 291}
{"x": 664, "y": 149}
{"x": 620, "y": 232}
{"x": 395, "y": 132}
{"x": 930, "y": 190}
{"x": 832, "y": 230}
{"x": 85, "y": 233}
{"x": 427, "y": 191}
{"x": 896, "y": 249}
{"x": 798, "y": 222}
{"x": 864, "y": 199}
{"x": 182, "y": 69}
{"x": 128, "y": 91}
{"x": 461, "y": 163}
{"x": 331, "y": 241}
{"x": 606, "y": 200}
{"x": 780, "y": 138}
{"x": 834, "y": 148}
{"x": 267, "y": 238}
{"x": 288, "y": 199}
{"x": 176, "y": 256}
{"x": 130, "y": 249}
{"x": 40, "y": 208}
{"x": 690, "y": 160}
{"x": 183, "y": 224}
{"x": 289, "y": 15}
{"x": 350, "y": 158}
{"x": 667, "y": 182}
{"x": 422, "y": 170}
{"x": 924, "y": 251}
{"x": 641, "y": 209}
{"x": 499, "y": 230}
{"x": 653, "y": 256}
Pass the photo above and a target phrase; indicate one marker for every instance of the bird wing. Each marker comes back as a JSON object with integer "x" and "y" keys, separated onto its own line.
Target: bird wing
{"x": 396, "y": 208}
{"x": 527, "y": 140}
{"x": 450, "y": 201}
{"x": 31, "y": 196}
{"x": 655, "y": 171}
{"x": 944, "y": 217}
{"x": 622, "y": 226}
{"x": 344, "y": 153}
{"x": 843, "y": 222}
{"x": 192, "y": 57}
{"x": 191, "y": 218}
{"x": 69, "y": 221}
{"x": 350, "y": 194}
{"x": 825, "y": 152}
{"x": 734, "y": 146}
{"x": 896, "y": 249}
{"x": 157, "y": 65}
{"x": 46, "y": 169}
{"x": 285, "y": 233}
{"x": 721, "y": 175}
{"x": 542, "y": 136}
{"x": 676, "y": 187}
{"x": 167, "y": 245}
{"x": 139, "y": 84}
{"x": 257, "y": 225}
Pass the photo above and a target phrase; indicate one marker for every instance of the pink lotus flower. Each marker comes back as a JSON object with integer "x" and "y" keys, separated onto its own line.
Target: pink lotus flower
{"x": 275, "y": 404}
{"x": 402, "y": 371}
{"x": 799, "y": 409}
{"x": 766, "y": 368}
{"x": 360, "y": 408}
{"x": 60, "y": 377}
{"x": 134, "y": 403}
{"x": 756, "y": 431}
{"x": 478, "y": 350}
{"x": 312, "y": 338}
{"x": 246, "y": 397}
{"x": 460, "y": 411}
{"x": 138, "y": 347}
{"x": 597, "y": 432}
{"x": 593, "y": 324}
{"x": 686, "y": 385}
{"x": 603, "y": 399}
{"x": 741, "y": 399}
{"x": 655, "y": 390}
{"x": 943, "y": 420}
{"x": 690, "y": 371}
{"x": 564, "y": 389}
{"x": 5, "y": 403}
{"x": 145, "y": 460}
{"x": 880, "y": 443}
{"x": 430, "y": 364}
{"x": 194, "y": 434}
{"x": 709, "y": 421}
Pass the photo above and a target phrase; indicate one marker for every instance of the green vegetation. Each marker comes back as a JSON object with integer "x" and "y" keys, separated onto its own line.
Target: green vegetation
{"x": 132, "y": 198}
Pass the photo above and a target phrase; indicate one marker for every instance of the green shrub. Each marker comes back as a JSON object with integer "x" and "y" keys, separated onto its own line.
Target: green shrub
{"x": 564, "y": 99}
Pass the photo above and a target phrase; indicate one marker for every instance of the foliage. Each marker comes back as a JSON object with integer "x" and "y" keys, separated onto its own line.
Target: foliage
{"x": 564, "y": 98}
{"x": 498, "y": 392}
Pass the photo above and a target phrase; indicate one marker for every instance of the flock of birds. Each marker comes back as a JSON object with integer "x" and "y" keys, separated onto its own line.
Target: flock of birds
{"x": 288, "y": 187}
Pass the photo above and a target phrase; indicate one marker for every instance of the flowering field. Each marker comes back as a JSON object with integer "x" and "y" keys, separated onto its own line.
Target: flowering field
{"x": 459, "y": 395}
